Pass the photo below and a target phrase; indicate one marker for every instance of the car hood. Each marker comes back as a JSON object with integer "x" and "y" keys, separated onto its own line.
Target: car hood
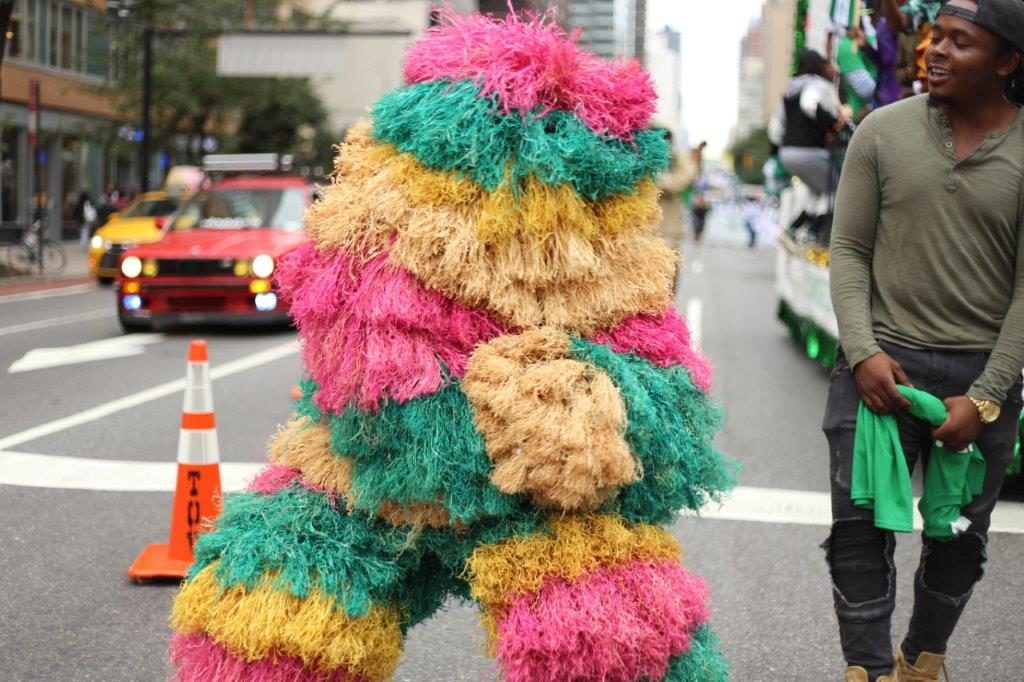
{"x": 141, "y": 230}
{"x": 201, "y": 243}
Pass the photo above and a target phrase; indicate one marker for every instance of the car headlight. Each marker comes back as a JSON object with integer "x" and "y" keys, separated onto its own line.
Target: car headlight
{"x": 131, "y": 267}
{"x": 263, "y": 265}
{"x": 96, "y": 242}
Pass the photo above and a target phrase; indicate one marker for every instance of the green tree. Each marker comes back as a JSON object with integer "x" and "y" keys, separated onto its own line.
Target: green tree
{"x": 749, "y": 155}
{"x": 189, "y": 99}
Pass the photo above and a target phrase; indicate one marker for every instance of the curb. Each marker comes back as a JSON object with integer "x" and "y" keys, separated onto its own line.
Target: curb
{"x": 24, "y": 285}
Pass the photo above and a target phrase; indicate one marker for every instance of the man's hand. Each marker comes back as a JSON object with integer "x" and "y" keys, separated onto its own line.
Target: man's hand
{"x": 876, "y": 380}
{"x": 963, "y": 425}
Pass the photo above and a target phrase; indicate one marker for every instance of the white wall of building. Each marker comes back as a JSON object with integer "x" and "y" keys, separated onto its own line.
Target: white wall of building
{"x": 665, "y": 64}
{"x": 374, "y": 66}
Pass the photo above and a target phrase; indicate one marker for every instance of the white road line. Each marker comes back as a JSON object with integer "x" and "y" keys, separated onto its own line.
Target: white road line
{"x": 48, "y": 293}
{"x": 55, "y": 321}
{"x": 694, "y": 313}
{"x": 773, "y": 505}
{"x": 171, "y": 387}
{"x": 757, "y": 505}
{"x": 76, "y": 473}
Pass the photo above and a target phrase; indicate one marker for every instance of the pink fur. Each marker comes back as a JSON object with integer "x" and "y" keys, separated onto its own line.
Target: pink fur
{"x": 200, "y": 659}
{"x": 664, "y": 341}
{"x": 530, "y": 62}
{"x": 373, "y": 332}
{"x": 274, "y": 478}
{"x": 613, "y": 624}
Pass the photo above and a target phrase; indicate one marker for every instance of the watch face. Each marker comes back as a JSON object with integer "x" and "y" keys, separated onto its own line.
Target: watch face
{"x": 990, "y": 413}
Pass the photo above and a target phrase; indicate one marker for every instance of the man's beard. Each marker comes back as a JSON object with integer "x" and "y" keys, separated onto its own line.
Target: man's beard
{"x": 937, "y": 101}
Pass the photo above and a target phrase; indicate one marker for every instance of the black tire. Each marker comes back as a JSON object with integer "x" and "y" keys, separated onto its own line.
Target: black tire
{"x": 105, "y": 281}
{"x": 19, "y": 257}
{"x": 130, "y": 326}
{"x": 54, "y": 257}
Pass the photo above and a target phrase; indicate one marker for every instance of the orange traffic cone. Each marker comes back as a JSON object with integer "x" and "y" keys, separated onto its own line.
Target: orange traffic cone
{"x": 197, "y": 495}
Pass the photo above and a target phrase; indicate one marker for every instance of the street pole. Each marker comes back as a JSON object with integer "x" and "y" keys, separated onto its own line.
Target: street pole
{"x": 147, "y": 96}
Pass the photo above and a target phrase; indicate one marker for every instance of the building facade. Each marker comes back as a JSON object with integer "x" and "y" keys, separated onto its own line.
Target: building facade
{"x": 777, "y": 31}
{"x": 665, "y": 64}
{"x": 751, "y": 81}
{"x": 609, "y": 28}
{"x": 766, "y": 58}
{"x": 63, "y": 45}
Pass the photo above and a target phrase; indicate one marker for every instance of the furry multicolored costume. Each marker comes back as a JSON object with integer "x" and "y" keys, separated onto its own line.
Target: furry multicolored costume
{"x": 503, "y": 404}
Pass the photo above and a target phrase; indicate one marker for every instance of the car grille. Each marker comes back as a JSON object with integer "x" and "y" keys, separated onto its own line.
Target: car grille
{"x": 111, "y": 256}
{"x": 196, "y": 267}
{"x": 196, "y": 304}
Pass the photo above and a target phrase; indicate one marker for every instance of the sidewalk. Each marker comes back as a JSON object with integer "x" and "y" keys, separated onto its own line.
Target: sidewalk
{"x": 76, "y": 272}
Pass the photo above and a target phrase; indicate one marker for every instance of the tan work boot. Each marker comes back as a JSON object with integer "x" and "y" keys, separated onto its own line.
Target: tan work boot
{"x": 925, "y": 669}
{"x": 855, "y": 673}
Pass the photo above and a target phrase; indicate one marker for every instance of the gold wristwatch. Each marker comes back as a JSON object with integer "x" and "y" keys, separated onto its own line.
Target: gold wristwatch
{"x": 988, "y": 411}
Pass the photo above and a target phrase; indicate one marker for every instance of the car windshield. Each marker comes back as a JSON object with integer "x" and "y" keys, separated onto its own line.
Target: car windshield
{"x": 149, "y": 208}
{"x": 239, "y": 209}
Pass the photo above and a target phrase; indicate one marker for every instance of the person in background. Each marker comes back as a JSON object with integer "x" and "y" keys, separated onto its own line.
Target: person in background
{"x": 913, "y": 20}
{"x": 884, "y": 54}
{"x": 776, "y": 178}
{"x": 673, "y": 184}
{"x": 85, "y": 218}
{"x": 751, "y": 208}
{"x": 858, "y": 73}
{"x": 927, "y": 281}
{"x": 810, "y": 112}
{"x": 695, "y": 194}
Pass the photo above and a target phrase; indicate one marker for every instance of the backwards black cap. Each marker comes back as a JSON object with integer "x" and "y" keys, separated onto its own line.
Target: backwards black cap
{"x": 1004, "y": 18}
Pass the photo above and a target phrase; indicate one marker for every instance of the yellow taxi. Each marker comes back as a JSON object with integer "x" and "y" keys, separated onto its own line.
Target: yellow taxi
{"x": 141, "y": 222}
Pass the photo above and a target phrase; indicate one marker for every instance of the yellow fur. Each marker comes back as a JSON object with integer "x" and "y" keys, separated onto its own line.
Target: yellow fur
{"x": 577, "y": 545}
{"x": 255, "y": 624}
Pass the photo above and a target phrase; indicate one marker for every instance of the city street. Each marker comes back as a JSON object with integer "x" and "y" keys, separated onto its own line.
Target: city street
{"x": 69, "y": 612}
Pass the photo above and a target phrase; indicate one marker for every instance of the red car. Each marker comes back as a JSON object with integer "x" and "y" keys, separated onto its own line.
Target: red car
{"x": 216, "y": 260}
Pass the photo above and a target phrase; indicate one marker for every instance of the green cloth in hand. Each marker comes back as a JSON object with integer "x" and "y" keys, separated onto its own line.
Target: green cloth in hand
{"x": 880, "y": 479}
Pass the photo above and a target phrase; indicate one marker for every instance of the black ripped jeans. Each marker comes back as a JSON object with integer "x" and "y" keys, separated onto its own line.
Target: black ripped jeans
{"x": 860, "y": 556}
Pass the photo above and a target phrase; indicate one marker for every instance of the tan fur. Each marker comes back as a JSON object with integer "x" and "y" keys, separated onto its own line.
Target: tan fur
{"x": 553, "y": 425}
{"x": 573, "y": 278}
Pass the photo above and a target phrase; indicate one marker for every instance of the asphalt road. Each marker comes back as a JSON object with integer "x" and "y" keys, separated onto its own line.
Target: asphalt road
{"x": 68, "y": 611}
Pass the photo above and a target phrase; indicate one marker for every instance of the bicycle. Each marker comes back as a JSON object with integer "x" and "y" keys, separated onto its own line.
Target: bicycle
{"x": 26, "y": 255}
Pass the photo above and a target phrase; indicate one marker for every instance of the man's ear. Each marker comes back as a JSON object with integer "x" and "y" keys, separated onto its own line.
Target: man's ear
{"x": 1008, "y": 63}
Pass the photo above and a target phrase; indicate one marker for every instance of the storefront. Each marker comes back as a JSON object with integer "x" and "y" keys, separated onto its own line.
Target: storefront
{"x": 63, "y": 45}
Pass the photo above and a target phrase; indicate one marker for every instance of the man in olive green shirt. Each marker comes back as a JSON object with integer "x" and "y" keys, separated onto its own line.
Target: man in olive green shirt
{"x": 927, "y": 268}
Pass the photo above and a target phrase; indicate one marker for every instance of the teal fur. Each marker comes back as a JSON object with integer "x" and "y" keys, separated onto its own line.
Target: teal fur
{"x": 671, "y": 425}
{"x": 450, "y": 127}
{"x": 702, "y": 663}
{"x": 311, "y": 543}
{"x": 424, "y": 450}
{"x": 428, "y": 449}
{"x": 304, "y": 405}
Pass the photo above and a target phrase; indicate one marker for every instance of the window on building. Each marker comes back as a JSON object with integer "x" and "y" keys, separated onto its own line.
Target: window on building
{"x": 15, "y": 34}
{"x": 59, "y": 34}
{"x": 97, "y": 47}
{"x": 53, "y": 29}
{"x": 67, "y": 43}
